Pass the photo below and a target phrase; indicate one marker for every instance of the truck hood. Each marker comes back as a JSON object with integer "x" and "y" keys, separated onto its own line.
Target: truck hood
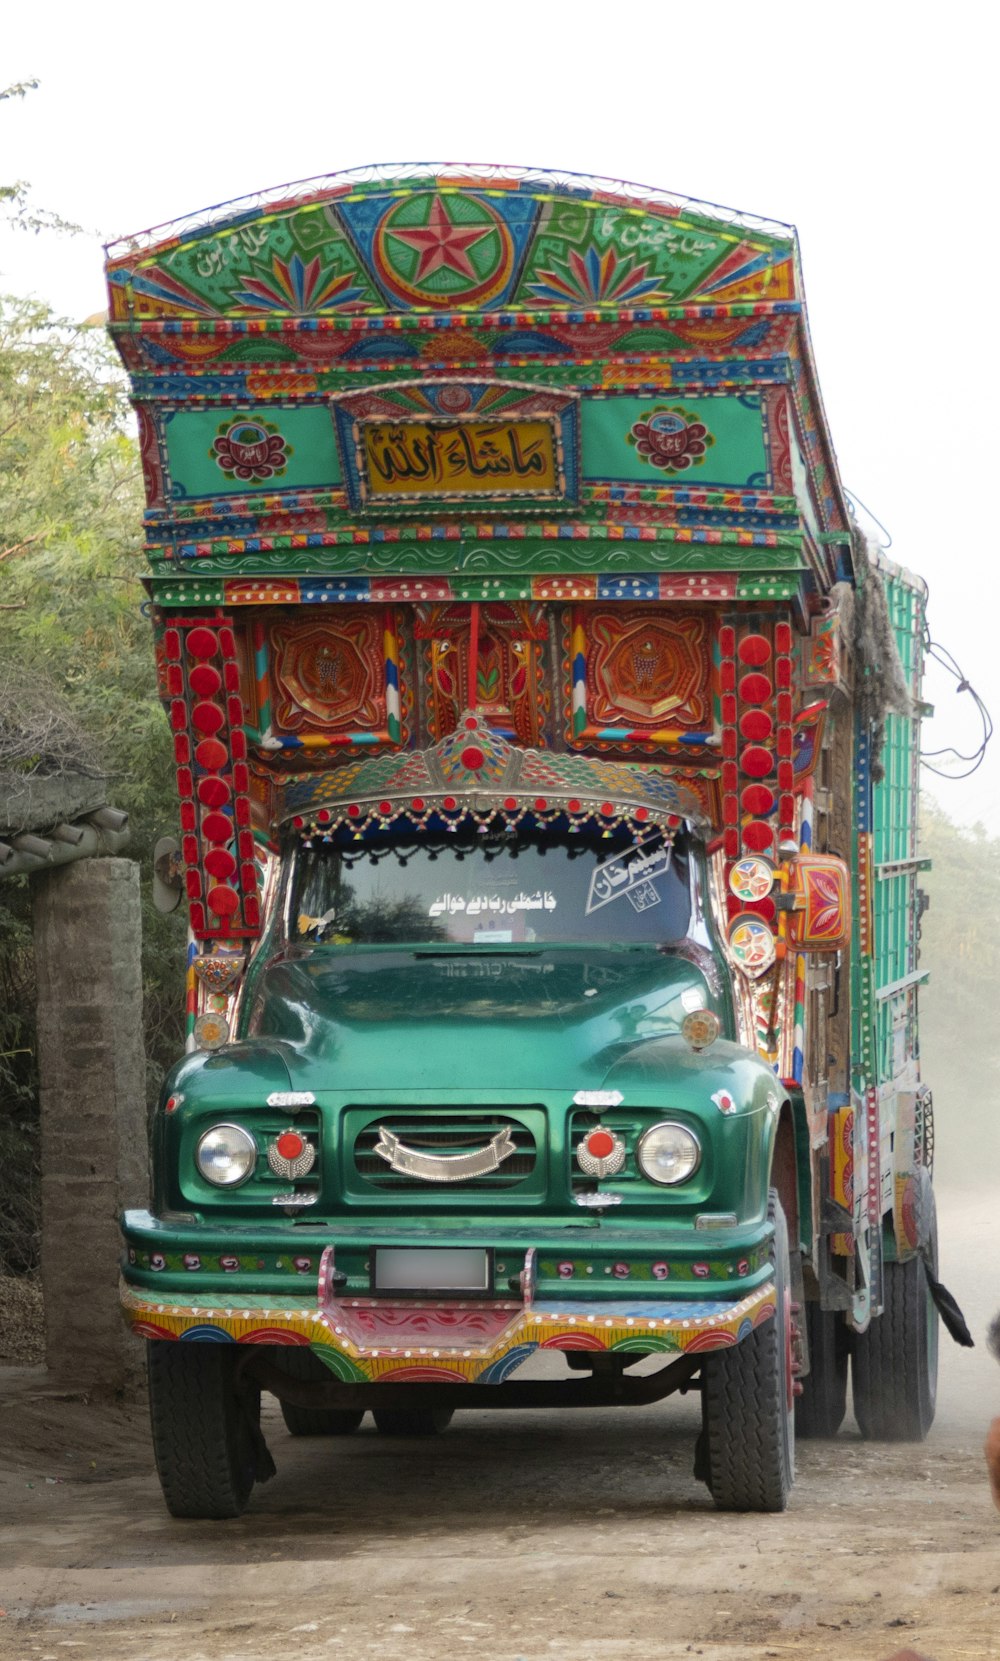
{"x": 399, "y": 1020}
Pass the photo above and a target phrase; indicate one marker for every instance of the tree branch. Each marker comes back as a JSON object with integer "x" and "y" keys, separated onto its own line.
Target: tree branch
{"x": 19, "y": 547}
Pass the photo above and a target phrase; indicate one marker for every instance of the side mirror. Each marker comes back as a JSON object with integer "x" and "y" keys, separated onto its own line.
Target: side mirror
{"x": 817, "y": 902}
{"x": 168, "y": 874}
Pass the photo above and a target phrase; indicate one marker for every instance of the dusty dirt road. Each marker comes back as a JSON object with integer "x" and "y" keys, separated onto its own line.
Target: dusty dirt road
{"x": 579, "y": 1536}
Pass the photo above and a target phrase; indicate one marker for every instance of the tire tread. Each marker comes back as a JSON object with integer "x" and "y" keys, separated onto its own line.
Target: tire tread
{"x": 203, "y": 1454}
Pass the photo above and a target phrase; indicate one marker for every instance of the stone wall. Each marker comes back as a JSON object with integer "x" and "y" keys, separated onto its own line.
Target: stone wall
{"x": 93, "y": 1114}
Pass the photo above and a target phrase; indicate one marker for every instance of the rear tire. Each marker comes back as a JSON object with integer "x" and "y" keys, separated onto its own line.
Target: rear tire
{"x": 319, "y": 1421}
{"x": 302, "y": 1364}
{"x": 747, "y": 1452}
{"x": 203, "y": 1430}
{"x": 894, "y": 1364}
{"x": 412, "y": 1421}
{"x": 820, "y": 1409}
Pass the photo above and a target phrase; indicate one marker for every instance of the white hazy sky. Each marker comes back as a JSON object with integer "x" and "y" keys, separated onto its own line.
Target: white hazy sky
{"x": 871, "y": 127}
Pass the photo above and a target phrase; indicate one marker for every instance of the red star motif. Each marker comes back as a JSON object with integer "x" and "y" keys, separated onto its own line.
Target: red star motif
{"x": 440, "y": 243}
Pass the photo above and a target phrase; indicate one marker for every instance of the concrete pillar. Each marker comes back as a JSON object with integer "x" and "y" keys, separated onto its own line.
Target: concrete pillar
{"x": 92, "y": 1073}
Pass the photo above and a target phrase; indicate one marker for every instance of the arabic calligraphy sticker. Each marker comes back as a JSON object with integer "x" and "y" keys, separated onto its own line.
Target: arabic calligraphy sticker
{"x": 751, "y": 879}
{"x": 629, "y": 877}
{"x": 751, "y": 944}
{"x": 408, "y": 460}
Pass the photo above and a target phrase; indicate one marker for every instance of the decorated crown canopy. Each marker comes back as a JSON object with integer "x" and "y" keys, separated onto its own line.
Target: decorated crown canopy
{"x": 473, "y": 770}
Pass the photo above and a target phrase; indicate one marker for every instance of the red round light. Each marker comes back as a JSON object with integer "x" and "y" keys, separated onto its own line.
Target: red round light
{"x": 758, "y": 836}
{"x": 573, "y": 805}
{"x": 202, "y": 642}
{"x": 472, "y": 758}
{"x": 510, "y": 804}
{"x": 757, "y": 798}
{"x": 217, "y": 827}
{"x": 417, "y": 804}
{"x": 607, "y": 811}
{"x": 449, "y": 804}
{"x": 757, "y": 725}
{"x": 756, "y": 762}
{"x": 353, "y": 811}
{"x": 754, "y": 650}
{"x": 755, "y": 689}
{"x": 324, "y": 816}
{"x": 223, "y": 901}
{"x": 220, "y": 864}
{"x": 600, "y": 1144}
{"x": 540, "y": 804}
{"x": 471, "y": 723}
{"x": 290, "y": 1144}
{"x": 213, "y": 792}
{"x": 205, "y": 680}
{"x": 385, "y": 808}
{"x": 211, "y": 755}
{"x": 207, "y": 718}
{"x": 642, "y": 814}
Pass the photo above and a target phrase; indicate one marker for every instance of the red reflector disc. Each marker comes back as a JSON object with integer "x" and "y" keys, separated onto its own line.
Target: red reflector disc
{"x": 202, "y": 643}
{"x": 600, "y": 1143}
{"x": 289, "y": 1144}
{"x": 205, "y": 680}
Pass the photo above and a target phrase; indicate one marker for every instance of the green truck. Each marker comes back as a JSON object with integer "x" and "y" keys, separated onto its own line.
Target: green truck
{"x": 546, "y": 742}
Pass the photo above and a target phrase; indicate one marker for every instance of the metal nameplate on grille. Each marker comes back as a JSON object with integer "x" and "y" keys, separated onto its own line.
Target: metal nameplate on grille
{"x": 444, "y": 1167}
{"x": 431, "y": 1269}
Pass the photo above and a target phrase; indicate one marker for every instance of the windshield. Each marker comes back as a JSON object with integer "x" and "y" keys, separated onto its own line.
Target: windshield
{"x": 527, "y": 883}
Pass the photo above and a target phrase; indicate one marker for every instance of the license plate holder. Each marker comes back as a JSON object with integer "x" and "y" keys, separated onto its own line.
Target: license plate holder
{"x": 415, "y": 1271}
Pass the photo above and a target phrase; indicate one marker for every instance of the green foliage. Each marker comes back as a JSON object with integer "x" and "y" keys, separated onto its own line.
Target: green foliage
{"x": 15, "y": 203}
{"x": 70, "y": 598}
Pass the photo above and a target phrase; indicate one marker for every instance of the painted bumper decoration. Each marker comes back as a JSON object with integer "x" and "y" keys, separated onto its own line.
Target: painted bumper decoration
{"x": 366, "y": 1340}
{"x": 474, "y": 768}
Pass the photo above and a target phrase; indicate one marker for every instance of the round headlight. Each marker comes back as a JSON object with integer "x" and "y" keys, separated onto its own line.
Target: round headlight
{"x": 226, "y": 1155}
{"x": 668, "y": 1153}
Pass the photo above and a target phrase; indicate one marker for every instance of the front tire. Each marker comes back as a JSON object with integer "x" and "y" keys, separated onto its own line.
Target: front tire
{"x": 894, "y": 1365}
{"x": 748, "y": 1449}
{"x": 203, "y": 1429}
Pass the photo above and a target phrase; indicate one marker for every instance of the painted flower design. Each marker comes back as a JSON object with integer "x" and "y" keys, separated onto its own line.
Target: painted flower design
{"x": 621, "y": 1271}
{"x": 603, "y": 277}
{"x": 670, "y": 440}
{"x": 299, "y": 286}
{"x": 661, "y": 1271}
{"x": 250, "y": 450}
{"x": 192, "y": 1261}
{"x": 565, "y": 1271}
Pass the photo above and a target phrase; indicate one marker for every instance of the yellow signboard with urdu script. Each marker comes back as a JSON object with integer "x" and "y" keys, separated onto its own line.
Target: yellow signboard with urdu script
{"x": 413, "y": 460}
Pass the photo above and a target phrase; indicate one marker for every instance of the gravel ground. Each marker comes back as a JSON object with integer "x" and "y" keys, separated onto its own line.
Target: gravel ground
{"x": 22, "y": 1320}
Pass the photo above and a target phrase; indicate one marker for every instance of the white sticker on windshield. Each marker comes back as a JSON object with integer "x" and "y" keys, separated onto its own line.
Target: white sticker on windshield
{"x": 629, "y": 878}
{"x": 491, "y": 905}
